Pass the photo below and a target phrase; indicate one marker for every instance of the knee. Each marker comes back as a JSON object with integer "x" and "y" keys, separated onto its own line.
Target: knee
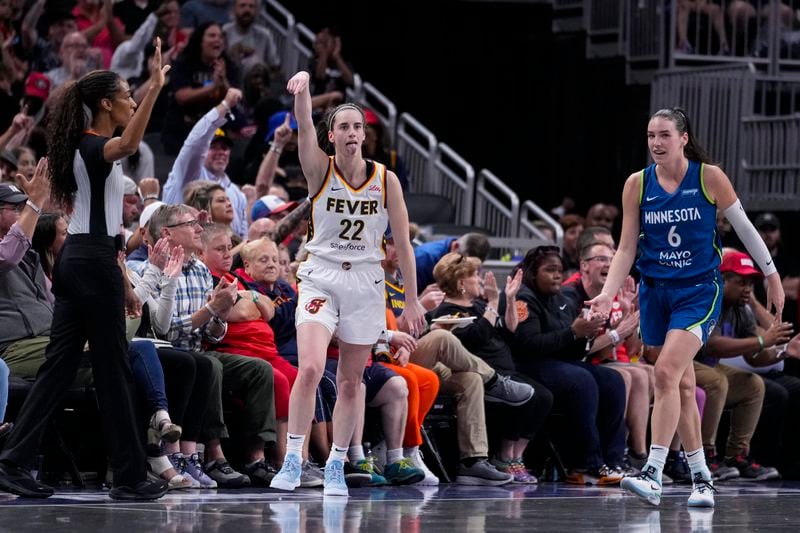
{"x": 308, "y": 375}
{"x": 756, "y": 385}
{"x": 347, "y": 387}
{"x": 667, "y": 377}
{"x": 398, "y": 388}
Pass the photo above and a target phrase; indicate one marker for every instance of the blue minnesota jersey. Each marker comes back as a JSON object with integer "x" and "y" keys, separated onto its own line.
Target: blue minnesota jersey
{"x": 678, "y": 237}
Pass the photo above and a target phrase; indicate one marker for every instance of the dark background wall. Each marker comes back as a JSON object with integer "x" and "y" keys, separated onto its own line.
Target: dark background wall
{"x": 491, "y": 80}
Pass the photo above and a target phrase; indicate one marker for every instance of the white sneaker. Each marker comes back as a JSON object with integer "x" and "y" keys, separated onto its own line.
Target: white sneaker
{"x": 702, "y": 492}
{"x": 644, "y": 485}
{"x": 430, "y": 478}
{"x": 379, "y": 455}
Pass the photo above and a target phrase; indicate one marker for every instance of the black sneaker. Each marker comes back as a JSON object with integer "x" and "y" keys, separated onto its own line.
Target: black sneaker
{"x": 749, "y": 470}
{"x": 719, "y": 470}
{"x": 18, "y": 480}
{"x": 142, "y": 491}
{"x": 225, "y": 476}
{"x": 677, "y": 468}
{"x": 355, "y": 477}
{"x": 260, "y": 473}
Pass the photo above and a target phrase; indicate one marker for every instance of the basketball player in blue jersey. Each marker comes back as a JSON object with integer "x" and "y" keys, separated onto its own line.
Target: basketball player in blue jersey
{"x": 669, "y": 214}
{"x": 341, "y": 285}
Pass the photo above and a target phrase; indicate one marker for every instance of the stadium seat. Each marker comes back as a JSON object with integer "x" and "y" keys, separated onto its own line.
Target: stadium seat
{"x": 429, "y": 209}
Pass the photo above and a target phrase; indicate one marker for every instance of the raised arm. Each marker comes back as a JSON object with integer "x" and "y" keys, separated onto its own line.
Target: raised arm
{"x": 190, "y": 158}
{"x": 29, "y": 23}
{"x": 313, "y": 159}
{"x": 127, "y": 144}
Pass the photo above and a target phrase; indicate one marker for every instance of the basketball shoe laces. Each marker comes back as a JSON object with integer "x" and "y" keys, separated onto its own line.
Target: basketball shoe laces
{"x": 702, "y": 485}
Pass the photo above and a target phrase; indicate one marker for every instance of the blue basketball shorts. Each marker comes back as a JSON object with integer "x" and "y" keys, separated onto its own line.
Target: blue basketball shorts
{"x": 677, "y": 304}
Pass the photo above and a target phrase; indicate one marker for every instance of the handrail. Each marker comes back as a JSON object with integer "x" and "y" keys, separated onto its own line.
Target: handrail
{"x": 386, "y": 110}
{"x": 529, "y": 206}
{"x": 459, "y": 188}
{"x": 492, "y": 213}
{"x": 285, "y": 33}
{"x": 417, "y": 146}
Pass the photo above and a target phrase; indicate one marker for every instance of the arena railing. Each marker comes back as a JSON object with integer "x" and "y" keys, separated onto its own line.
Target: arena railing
{"x": 770, "y": 150}
{"x": 416, "y": 145}
{"x": 529, "y": 212}
{"x": 433, "y": 168}
{"x": 282, "y": 24}
{"x": 384, "y": 108}
{"x": 757, "y": 34}
{"x": 496, "y": 206}
{"x": 716, "y": 98}
{"x": 604, "y": 21}
{"x": 456, "y": 181}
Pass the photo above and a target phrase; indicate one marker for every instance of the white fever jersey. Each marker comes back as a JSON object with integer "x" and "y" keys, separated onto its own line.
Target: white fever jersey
{"x": 347, "y": 224}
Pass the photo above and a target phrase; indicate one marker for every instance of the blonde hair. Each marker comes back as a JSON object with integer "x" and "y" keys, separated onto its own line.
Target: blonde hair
{"x": 249, "y": 250}
{"x": 453, "y": 267}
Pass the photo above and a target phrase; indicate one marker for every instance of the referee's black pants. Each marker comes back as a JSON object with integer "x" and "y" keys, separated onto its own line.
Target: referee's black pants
{"x": 87, "y": 282}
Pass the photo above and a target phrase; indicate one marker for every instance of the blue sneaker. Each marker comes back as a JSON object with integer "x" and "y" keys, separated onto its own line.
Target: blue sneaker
{"x": 334, "y": 479}
{"x": 645, "y": 485}
{"x": 403, "y": 472}
{"x": 289, "y": 476}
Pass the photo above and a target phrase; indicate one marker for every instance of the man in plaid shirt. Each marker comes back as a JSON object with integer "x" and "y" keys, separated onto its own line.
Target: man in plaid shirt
{"x": 200, "y": 315}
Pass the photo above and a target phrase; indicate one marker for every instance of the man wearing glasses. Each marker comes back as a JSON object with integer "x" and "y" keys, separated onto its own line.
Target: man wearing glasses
{"x": 200, "y": 316}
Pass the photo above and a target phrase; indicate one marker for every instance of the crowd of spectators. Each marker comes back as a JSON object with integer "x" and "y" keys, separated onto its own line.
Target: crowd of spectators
{"x": 211, "y": 258}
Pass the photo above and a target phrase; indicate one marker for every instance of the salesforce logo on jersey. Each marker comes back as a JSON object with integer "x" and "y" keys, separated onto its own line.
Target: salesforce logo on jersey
{"x": 348, "y": 247}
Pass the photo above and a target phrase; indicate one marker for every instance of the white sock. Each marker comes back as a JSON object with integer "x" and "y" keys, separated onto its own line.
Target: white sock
{"x": 355, "y": 453}
{"x": 697, "y": 463}
{"x": 392, "y": 456}
{"x": 657, "y": 459}
{"x": 338, "y": 453}
{"x": 410, "y": 452}
{"x": 294, "y": 444}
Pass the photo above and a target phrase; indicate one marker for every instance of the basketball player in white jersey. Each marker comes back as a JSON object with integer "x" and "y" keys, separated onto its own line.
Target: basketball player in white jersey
{"x": 341, "y": 285}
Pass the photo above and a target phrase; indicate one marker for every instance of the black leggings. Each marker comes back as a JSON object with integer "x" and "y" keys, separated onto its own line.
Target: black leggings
{"x": 89, "y": 306}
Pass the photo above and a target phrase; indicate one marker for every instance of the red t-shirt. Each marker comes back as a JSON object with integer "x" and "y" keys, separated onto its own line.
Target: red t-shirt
{"x": 103, "y": 39}
{"x": 253, "y": 338}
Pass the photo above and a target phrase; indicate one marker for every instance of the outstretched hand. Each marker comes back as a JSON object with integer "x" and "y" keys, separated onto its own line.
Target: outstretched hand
{"x": 298, "y": 83}
{"x": 158, "y": 71}
{"x": 38, "y": 187}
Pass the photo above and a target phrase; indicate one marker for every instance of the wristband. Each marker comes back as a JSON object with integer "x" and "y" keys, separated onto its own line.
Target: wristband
{"x": 254, "y": 294}
{"x": 760, "y": 342}
{"x": 389, "y": 335}
{"x": 614, "y": 336}
{"x": 226, "y": 106}
{"x": 150, "y": 197}
{"x": 211, "y": 311}
{"x": 781, "y": 355}
{"x": 36, "y": 208}
{"x": 273, "y": 148}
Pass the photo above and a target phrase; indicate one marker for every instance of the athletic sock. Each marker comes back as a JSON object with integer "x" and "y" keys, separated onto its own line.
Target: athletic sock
{"x": 294, "y": 444}
{"x": 392, "y": 456}
{"x": 697, "y": 463}
{"x": 657, "y": 459}
{"x": 356, "y": 453}
{"x": 338, "y": 453}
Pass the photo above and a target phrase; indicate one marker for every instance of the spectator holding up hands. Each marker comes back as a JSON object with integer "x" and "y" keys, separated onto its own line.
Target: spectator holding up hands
{"x": 201, "y": 78}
